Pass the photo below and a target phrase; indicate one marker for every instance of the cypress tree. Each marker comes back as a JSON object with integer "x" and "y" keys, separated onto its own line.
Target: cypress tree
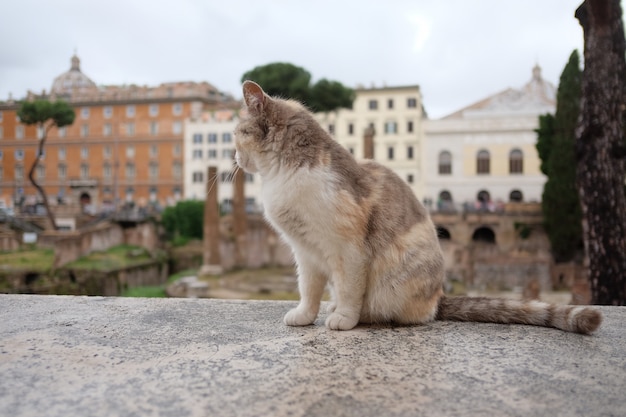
{"x": 556, "y": 144}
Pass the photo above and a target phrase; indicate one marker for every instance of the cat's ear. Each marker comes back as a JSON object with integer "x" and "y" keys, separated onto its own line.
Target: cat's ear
{"x": 254, "y": 97}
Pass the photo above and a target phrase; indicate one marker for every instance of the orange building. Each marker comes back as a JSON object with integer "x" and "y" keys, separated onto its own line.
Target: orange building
{"x": 126, "y": 142}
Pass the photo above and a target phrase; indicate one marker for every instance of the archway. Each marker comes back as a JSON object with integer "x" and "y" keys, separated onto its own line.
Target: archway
{"x": 443, "y": 233}
{"x": 85, "y": 199}
{"x": 484, "y": 234}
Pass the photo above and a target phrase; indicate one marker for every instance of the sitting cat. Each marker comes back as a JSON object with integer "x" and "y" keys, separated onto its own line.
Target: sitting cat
{"x": 357, "y": 228}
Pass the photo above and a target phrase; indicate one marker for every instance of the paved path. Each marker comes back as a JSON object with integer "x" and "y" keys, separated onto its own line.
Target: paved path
{"x": 80, "y": 356}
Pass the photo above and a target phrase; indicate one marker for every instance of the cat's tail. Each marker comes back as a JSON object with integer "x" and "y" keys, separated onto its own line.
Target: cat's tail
{"x": 577, "y": 319}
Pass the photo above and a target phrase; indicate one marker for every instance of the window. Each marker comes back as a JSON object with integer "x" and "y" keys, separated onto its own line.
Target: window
{"x": 19, "y": 172}
{"x": 84, "y": 152}
{"x": 107, "y": 152}
{"x": 409, "y": 178}
{"x": 516, "y": 162}
{"x": 62, "y": 171}
{"x": 130, "y": 151}
{"x": 249, "y": 177}
{"x": 196, "y": 154}
{"x": 107, "y": 171}
{"x": 154, "y": 128}
{"x": 177, "y": 127}
{"x": 350, "y": 129}
{"x": 212, "y": 137}
{"x": 1, "y": 173}
{"x": 227, "y": 137}
{"x": 153, "y": 170}
{"x": 19, "y": 154}
{"x": 130, "y": 129}
{"x": 39, "y": 132}
{"x": 84, "y": 171}
{"x": 177, "y": 169}
{"x": 84, "y": 130}
{"x": 84, "y": 112}
{"x": 409, "y": 152}
{"x": 107, "y": 129}
{"x": 130, "y": 170}
{"x": 351, "y": 150}
{"x": 390, "y": 153}
{"x": 411, "y": 102}
{"x": 482, "y": 162}
{"x": 177, "y": 149}
{"x": 391, "y": 127}
{"x": 41, "y": 172}
{"x": 445, "y": 163}
{"x": 62, "y": 153}
{"x": 62, "y": 132}
{"x": 197, "y": 138}
{"x": 107, "y": 111}
{"x": 197, "y": 177}
{"x": 153, "y": 110}
{"x": 1, "y": 154}
{"x": 1, "y": 132}
{"x": 331, "y": 129}
{"x": 409, "y": 126}
{"x": 516, "y": 196}
{"x": 212, "y": 153}
{"x": 373, "y": 105}
{"x": 227, "y": 176}
{"x": 154, "y": 151}
{"x": 130, "y": 110}
{"x": 390, "y": 104}
{"x": 19, "y": 132}
{"x": 1, "y": 116}
{"x": 177, "y": 109}
{"x": 227, "y": 153}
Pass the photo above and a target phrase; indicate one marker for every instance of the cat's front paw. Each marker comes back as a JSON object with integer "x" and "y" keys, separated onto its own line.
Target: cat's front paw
{"x": 299, "y": 317}
{"x": 338, "y": 321}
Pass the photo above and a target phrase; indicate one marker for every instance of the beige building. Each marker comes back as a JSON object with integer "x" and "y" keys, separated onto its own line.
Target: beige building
{"x": 484, "y": 154}
{"x": 209, "y": 141}
{"x": 396, "y": 114}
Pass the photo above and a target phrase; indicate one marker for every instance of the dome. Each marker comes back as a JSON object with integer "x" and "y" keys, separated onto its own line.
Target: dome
{"x": 72, "y": 80}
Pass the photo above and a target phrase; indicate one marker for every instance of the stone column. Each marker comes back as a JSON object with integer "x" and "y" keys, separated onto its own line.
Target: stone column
{"x": 368, "y": 143}
{"x": 211, "y": 259}
{"x": 240, "y": 219}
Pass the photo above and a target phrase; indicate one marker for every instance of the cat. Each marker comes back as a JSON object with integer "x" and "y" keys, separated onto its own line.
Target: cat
{"x": 357, "y": 229}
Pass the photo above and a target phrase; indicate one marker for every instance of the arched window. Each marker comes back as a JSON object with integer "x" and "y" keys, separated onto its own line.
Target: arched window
{"x": 484, "y": 234}
{"x": 482, "y": 162}
{"x": 443, "y": 233}
{"x": 516, "y": 196}
{"x": 445, "y": 163}
{"x": 483, "y": 196}
{"x": 516, "y": 162}
{"x": 445, "y": 196}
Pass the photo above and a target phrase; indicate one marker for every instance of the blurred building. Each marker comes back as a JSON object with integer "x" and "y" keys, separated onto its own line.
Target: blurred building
{"x": 394, "y": 115}
{"x": 126, "y": 143}
{"x": 484, "y": 155}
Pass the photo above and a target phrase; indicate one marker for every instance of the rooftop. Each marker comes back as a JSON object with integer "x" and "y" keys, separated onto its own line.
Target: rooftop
{"x": 94, "y": 356}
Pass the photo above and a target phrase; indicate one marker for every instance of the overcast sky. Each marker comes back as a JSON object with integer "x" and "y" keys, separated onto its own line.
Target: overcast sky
{"x": 458, "y": 51}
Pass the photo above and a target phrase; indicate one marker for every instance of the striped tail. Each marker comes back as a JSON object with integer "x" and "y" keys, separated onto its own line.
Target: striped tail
{"x": 496, "y": 310}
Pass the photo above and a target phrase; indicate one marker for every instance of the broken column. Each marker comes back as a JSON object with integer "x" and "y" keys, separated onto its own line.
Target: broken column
{"x": 368, "y": 143}
{"x": 240, "y": 220}
{"x": 211, "y": 259}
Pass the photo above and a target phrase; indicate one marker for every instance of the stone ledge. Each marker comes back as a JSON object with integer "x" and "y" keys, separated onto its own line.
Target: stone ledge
{"x": 82, "y": 356}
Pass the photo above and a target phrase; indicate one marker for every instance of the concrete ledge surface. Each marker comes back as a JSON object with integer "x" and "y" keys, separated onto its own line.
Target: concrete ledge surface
{"x": 94, "y": 356}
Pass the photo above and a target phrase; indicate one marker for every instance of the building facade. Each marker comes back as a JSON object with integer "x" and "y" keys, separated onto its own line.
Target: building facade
{"x": 209, "y": 141}
{"x": 484, "y": 154}
{"x": 396, "y": 116}
{"x": 126, "y": 143}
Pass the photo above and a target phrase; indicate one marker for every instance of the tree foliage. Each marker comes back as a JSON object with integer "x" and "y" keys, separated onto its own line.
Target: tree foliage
{"x": 45, "y": 115}
{"x": 286, "y": 80}
{"x": 184, "y": 220}
{"x": 555, "y": 145}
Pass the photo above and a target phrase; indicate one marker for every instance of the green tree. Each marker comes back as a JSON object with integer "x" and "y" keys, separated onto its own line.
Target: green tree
{"x": 184, "y": 220}
{"x": 555, "y": 145}
{"x": 45, "y": 115}
{"x": 286, "y": 80}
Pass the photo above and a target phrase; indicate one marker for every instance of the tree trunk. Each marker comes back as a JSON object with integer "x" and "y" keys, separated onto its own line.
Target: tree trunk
{"x": 601, "y": 150}
{"x": 31, "y": 176}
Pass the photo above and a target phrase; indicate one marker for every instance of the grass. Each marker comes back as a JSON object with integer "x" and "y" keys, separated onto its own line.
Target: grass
{"x": 31, "y": 259}
{"x": 120, "y": 256}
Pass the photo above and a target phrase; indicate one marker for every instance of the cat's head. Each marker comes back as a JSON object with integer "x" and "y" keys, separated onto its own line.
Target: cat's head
{"x": 276, "y": 133}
